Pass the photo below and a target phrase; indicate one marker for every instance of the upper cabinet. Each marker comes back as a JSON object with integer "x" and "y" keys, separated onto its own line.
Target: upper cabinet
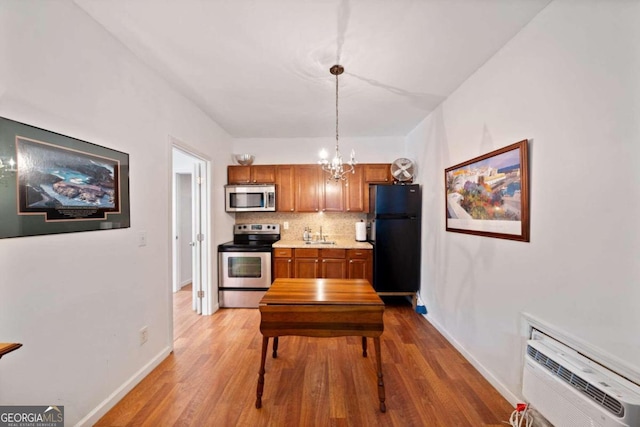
{"x": 255, "y": 174}
{"x": 377, "y": 173}
{"x": 308, "y": 192}
{"x": 285, "y": 188}
{"x": 305, "y": 188}
{"x": 314, "y": 193}
{"x": 332, "y": 194}
{"x": 354, "y": 189}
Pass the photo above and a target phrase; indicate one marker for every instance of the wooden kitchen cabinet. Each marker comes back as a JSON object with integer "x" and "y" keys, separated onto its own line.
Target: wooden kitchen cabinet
{"x": 255, "y": 174}
{"x": 307, "y": 193}
{"x": 305, "y": 188}
{"x": 283, "y": 264}
{"x": 285, "y": 188}
{"x": 360, "y": 264}
{"x": 313, "y": 263}
{"x": 333, "y": 264}
{"x": 377, "y": 173}
{"x": 238, "y": 174}
{"x": 332, "y": 194}
{"x": 354, "y": 189}
{"x": 323, "y": 263}
{"x": 306, "y": 263}
{"x": 314, "y": 193}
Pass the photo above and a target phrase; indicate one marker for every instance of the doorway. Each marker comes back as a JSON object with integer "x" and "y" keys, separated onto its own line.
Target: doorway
{"x": 190, "y": 229}
{"x": 184, "y": 232}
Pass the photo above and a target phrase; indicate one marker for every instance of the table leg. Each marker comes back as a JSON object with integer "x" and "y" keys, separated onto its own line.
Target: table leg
{"x": 376, "y": 342}
{"x": 275, "y": 347}
{"x": 364, "y": 346}
{"x": 265, "y": 345}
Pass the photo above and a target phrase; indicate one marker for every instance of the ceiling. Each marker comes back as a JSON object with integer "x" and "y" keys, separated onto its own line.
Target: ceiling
{"x": 260, "y": 69}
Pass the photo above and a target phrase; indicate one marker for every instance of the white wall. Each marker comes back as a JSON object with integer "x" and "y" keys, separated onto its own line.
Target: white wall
{"x": 77, "y": 301}
{"x": 185, "y": 232}
{"x": 306, "y": 150}
{"x": 568, "y": 82}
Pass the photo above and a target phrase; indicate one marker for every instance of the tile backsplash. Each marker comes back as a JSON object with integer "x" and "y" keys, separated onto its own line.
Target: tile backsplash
{"x": 335, "y": 225}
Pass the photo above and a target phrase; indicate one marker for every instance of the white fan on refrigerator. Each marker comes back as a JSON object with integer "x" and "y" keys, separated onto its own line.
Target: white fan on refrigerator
{"x": 402, "y": 170}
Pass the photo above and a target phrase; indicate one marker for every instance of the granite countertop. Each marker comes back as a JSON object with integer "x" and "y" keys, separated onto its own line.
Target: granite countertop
{"x": 340, "y": 244}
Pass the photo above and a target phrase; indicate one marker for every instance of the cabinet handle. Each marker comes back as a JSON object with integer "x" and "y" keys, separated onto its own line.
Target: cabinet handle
{"x": 316, "y": 261}
{"x": 358, "y": 253}
{"x": 350, "y": 261}
{"x": 291, "y": 209}
{"x": 289, "y": 260}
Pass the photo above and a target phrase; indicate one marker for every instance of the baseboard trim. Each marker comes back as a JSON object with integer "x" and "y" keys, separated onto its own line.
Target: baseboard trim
{"x": 502, "y": 389}
{"x": 92, "y": 417}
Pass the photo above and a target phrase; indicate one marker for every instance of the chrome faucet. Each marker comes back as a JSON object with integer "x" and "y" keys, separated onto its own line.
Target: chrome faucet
{"x": 322, "y": 237}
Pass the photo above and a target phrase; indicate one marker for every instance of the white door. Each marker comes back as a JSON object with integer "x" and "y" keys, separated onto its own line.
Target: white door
{"x": 197, "y": 235}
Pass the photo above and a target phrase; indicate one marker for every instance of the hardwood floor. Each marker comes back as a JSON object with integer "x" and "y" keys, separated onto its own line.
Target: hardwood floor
{"x": 210, "y": 379}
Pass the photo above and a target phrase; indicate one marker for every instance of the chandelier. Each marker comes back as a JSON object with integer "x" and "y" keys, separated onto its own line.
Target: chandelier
{"x": 335, "y": 167}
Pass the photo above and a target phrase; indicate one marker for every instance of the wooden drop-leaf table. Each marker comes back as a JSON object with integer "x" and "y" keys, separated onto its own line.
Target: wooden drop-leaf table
{"x": 321, "y": 308}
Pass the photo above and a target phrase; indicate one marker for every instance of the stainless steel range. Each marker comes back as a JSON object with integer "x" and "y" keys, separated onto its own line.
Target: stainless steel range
{"x": 244, "y": 265}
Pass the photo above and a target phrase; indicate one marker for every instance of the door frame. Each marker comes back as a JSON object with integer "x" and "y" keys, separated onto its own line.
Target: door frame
{"x": 206, "y": 264}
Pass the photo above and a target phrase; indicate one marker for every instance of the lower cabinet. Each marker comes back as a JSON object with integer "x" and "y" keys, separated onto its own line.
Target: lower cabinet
{"x": 317, "y": 263}
{"x": 306, "y": 268}
{"x": 282, "y": 263}
{"x": 313, "y": 263}
{"x": 333, "y": 263}
{"x": 360, "y": 264}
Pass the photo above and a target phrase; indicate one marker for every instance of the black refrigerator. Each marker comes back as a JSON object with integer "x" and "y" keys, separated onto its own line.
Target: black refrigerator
{"x": 394, "y": 220}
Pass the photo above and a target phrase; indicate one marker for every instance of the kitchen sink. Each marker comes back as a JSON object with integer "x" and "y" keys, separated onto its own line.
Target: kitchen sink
{"x": 327, "y": 242}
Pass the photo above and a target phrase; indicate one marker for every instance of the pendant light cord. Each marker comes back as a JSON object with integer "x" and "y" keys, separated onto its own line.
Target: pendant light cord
{"x": 336, "y": 114}
{"x": 336, "y": 169}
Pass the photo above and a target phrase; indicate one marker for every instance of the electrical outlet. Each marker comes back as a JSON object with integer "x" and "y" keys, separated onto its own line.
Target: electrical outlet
{"x": 285, "y": 225}
{"x": 142, "y": 238}
{"x": 144, "y": 335}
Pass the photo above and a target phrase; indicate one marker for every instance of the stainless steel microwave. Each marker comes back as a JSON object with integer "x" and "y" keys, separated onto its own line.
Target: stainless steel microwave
{"x": 250, "y": 198}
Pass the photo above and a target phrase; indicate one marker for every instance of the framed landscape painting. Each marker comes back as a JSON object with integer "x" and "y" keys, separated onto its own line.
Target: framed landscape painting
{"x": 489, "y": 195}
{"x": 52, "y": 183}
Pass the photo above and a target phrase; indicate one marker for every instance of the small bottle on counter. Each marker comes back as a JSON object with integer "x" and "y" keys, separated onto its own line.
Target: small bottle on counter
{"x": 306, "y": 236}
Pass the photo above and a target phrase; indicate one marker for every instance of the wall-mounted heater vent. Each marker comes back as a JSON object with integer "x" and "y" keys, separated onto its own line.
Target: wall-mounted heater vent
{"x": 573, "y": 391}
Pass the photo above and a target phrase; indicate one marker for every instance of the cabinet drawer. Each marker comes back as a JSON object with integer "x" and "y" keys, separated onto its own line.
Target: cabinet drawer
{"x": 282, "y": 252}
{"x": 358, "y": 253}
{"x": 333, "y": 253}
{"x": 306, "y": 253}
